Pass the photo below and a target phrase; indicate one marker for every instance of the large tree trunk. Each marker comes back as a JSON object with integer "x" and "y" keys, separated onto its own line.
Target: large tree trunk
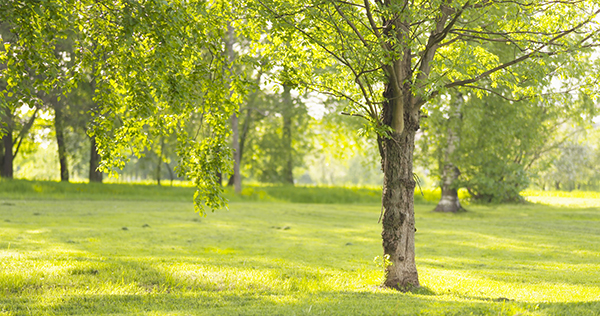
{"x": 449, "y": 202}
{"x": 60, "y": 141}
{"x": 399, "y": 188}
{"x": 287, "y": 113}
{"x": 95, "y": 174}
{"x": 7, "y": 161}
{"x": 398, "y": 217}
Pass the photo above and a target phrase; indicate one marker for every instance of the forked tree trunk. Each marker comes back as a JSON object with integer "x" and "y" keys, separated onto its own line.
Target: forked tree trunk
{"x": 60, "y": 141}
{"x": 245, "y": 129}
{"x": 399, "y": 189}
{"x": 95, "y": 174}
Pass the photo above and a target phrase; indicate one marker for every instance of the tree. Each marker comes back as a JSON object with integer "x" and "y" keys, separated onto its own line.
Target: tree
{"x": 30, "y": 67}
{"x": 59, "y": 128}
{"x": 495, "y": 154}
{"x": 280, "y": 137}
{"x": 573, "y": 163}
{"x": 392, "y": 57}
{"x": 449, "y": 201}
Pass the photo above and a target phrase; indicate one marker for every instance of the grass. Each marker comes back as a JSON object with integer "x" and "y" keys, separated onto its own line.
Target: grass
{"x": 81, "y": 256}
{"x": 35, "y": 190}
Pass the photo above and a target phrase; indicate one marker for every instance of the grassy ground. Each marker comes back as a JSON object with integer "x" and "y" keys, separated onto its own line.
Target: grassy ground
{"x": 62, "y": 256}
{"x": 36, "y": 190}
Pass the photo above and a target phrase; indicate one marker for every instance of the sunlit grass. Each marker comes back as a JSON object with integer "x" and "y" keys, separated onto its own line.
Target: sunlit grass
{"x": 562, "y": 194}
{"x": 159, "y": 258}
{"x": 563, "y": 198}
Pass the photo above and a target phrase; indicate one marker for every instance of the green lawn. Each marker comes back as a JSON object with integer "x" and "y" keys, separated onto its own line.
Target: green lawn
{"x": 64, "y": 256}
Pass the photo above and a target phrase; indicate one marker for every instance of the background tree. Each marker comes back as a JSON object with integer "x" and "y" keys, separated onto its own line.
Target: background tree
{"x": 279, "y": 139}
{"x": 29, "y": 69}
{"x": 494, "y": 155}
{"x": 449, "y": 137}
{"x": 392, "y": 57}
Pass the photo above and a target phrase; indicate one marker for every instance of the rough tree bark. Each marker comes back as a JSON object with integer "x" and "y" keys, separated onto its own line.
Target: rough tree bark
{"x": 60, "y": 141}
{"x": 398, "y": 189}
{"x": 287, "y": 113}
{"x": 95, "y": 174}
{"x": 449, "y": 202}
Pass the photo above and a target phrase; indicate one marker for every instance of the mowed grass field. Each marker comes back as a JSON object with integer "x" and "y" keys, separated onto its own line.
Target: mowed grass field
{"x": 77, "y": 255}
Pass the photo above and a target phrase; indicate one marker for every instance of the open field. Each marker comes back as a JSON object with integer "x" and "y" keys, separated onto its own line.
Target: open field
{"x": 64, "y": 256}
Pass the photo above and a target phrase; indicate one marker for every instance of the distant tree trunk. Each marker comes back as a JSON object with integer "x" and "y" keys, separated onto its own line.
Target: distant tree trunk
{"x": 287, "y": 113}
{"x": 449, "y": 202}
{"x": 237, "y": 179}
{"x": 160, "y": 160}
{"x": 242, "y": 139}
{"x": 237, "y": 182}
{"x": 7, "y": 144}
{"x": 1, "y": 154}
{"x": 8, "y": 141}
{"x": 171, "y": 176}
{"x": 7, "y": 159}
{"x": 60, "y": 141}
{"x": 246, "y": 125}
{"x": 158, "y": 171}
{"x": 95, "y": 174}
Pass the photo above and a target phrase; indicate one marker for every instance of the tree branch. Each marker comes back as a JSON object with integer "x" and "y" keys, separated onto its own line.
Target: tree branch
{"x": 522, "y": 58}
{"x": 435, "y": 38}
{"x": 25, "y": 130}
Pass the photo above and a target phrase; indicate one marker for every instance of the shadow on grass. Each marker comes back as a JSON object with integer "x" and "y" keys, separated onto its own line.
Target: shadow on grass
{"x": 328, "y": 303}
{"x": 154, "y": 290}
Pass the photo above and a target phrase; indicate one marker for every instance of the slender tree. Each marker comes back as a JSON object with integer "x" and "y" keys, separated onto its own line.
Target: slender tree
{"x": 59, "y": 127}
{"x": 287, "y": 113}
{"x": 449, "y": 201}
